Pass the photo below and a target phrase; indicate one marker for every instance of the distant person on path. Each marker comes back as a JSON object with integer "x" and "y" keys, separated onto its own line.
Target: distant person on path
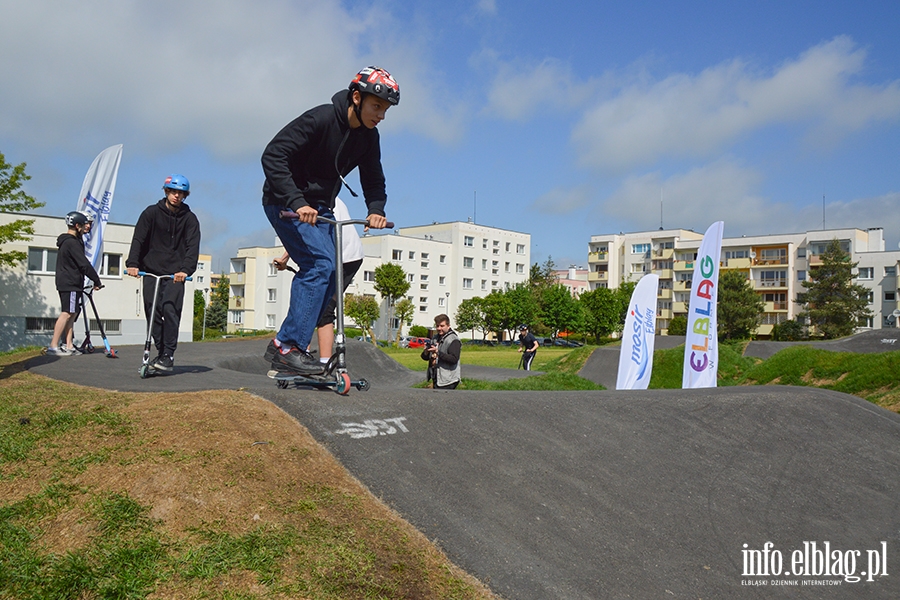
{"x": 443, "y": 355}
{"x": 528, "y": 346}
{"x": 352, "y": 258}
{"x": 305, "y": 164}
{"x": 72, "y": 266}
{"x": 166, "y": 241}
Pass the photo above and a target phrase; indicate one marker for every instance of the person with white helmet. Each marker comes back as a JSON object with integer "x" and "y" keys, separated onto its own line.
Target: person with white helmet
{"x": 72, "y": 266}
{"x": 70, "y": 329}
{"x": 166, "y": 241}
{"x": 305, "y": 165}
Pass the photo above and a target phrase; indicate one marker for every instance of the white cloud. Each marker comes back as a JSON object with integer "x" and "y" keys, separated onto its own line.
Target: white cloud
{"x": 169, "y": 75}
{"x": 521, "y": 91}
{"x": 698, "y": 116}
{"x": 563, "y": 200}
{"x": 487, "y": 7}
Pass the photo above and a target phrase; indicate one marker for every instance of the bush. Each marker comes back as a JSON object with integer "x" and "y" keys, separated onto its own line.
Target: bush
{"x": 678, "y": 325}
{"x": 418, "y": 331}
{"x": 789, "y": 331}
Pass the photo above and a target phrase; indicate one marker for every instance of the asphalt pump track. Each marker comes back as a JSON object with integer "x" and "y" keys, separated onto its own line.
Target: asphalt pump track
{"x": 639, "y": 494}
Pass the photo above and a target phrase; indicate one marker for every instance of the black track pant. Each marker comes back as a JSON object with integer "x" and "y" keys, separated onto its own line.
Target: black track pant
{"x": 168, "y": 313}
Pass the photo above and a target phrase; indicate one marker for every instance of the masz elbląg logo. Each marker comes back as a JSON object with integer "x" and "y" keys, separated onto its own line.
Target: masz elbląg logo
{"x": 643, "y": 326}
{"x": 812, "y": 565}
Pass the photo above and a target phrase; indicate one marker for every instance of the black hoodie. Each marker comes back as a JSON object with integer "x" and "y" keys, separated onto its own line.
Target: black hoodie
{"x": 165, "y": 242}
{"x": 72, "y": 266}
{"x": 299, "y": 162}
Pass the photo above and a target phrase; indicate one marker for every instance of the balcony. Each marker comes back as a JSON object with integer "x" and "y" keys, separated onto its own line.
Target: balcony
{"x": 680, "y": 308}
{"x": 664, "y": 273}
{"x": 665, "y": 294}
{"x": 814, "y": 260}
{"x": 683, "y": 286}
{"x": 236, "y": 303}
{"x": 664, "y": 313}
{"x": 598, "y": 276}
{"x": 681, "y": 265}
{"x": 598, "y": 257}
{"x": 770, "y": 284}
{"x": 665, "y": 253}
{"x": 737, "y": 263}
{"x": 765, "y": 262}
{"x": 236, "y": 278}
{"x": 770, "y": 307}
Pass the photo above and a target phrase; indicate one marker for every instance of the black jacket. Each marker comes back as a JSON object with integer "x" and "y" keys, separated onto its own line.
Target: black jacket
{"x": 299, "y": 162}
{"x": 72, "y": 266}
{"x": 165, "y": 243}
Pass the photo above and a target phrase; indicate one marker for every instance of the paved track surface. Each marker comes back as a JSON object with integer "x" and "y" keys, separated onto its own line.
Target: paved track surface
{"x": 880, "y": 340}
{"x": 590, "y": 494}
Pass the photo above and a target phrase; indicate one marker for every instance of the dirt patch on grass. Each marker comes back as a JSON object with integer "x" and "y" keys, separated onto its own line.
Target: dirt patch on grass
{"x": 225, "y": 462}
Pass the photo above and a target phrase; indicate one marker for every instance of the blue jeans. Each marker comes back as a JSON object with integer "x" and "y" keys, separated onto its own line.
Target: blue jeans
{"x": 312, "y": 248}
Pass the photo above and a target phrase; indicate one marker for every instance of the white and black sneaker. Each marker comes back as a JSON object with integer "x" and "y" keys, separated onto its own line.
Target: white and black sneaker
{"x": 163, "y": 363}
{"x": 297, "y": 361}
{"x": 60, "y": 351}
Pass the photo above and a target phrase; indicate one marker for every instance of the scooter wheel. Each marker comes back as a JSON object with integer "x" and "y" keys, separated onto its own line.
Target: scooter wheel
{"x": 363, "y": 385}
{"x": 144, "y": 371}
{"x": 282, "y": 385}
{"x": 89, "y": 348}
{"x": 343, "y": 384}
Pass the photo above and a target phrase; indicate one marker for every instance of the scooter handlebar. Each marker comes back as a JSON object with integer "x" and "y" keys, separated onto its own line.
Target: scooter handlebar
{"x": 289, "y": 214}
{"x": 145, "y": 274}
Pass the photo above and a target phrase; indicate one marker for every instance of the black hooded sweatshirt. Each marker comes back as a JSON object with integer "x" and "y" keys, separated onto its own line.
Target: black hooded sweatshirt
{"x": 72, "y": 266}
{"x": 165, "y": 242}
{"x": 299, "y": 162}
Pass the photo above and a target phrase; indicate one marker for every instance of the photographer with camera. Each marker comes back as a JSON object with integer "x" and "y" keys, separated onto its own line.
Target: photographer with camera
{"x": 442, "y": 354}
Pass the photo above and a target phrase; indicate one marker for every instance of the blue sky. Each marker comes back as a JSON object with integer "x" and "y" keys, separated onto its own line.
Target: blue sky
{"x": 563, "y": 120}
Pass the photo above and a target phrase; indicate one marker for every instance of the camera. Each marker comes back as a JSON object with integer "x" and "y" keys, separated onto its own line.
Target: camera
{"x": 429, "y": 344}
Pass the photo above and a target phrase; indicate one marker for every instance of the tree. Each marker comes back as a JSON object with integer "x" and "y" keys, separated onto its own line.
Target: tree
{"x": 217, "y": 313}
{"x": 791, "y": 330}
{"x": 404, "y": 310}
{"x": 391, "y": 283}
{"x": 523, "y": 307}
{"x": 559, "y": 310}
{"x": 495, "y": 310}
{"x": 623, "y": 295}
{"x": 198, "y": 314}
{"x": 678, "y": 325}
{"x": 364, "y": 311}
{"x": 835, "y": 305}
{"x": 739, "y": 306}
{"x": 13, "y": 199}
{"x": 601, "y": 312}
{"x": 469, "y": 314}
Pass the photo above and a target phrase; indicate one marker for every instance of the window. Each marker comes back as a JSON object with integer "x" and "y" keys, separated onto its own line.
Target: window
{"x": 368, "y": 275}
{"x": 520, "y": 268}
{"x": 507, "y": 246}
{"x": 468, "y": 262}
{"x": 201, "y": 266}
{"x": 520, "y": 248}
{"x": 410, "y": 277}
{"x": 198, "y": 278}
{"x": 412, "y": 255}
{"x": 638, "y": 268}
{"x": 270, "y": 321}
{"x": 866, "y": 322}
{"x": 890, "y": 271}
{"x": 506, "y": 267}
{"x": 441, "y": 280}
{"x": 42, "y": 260}
{"x": 801, "y": 252}
{"x": 640, "y": 248}
{"x": 443, "y": 258}
{"x": 467, "y": 284}
{"x": 423, "y": 286}
{"x": 272, "y": 294}
{"x": 484, "y": 243}
{"x": 237, "y": 316}
{"x": 272, "y": 270}
{"x": 39, "y": 324}
{"x": 484, "y": 264}
{"x": 818, "y": 248}
{"x": 111, "y": 266}
{"x": 424, "y": 255}
{"x": 801, "y": 275}
{"x": 468, "y": 241}
{"x": 424, "y": 265}
{"x": 729, "y": 254}
{"x": 423, "y": 277}
{"x": 423, "y": 299}
{"x": 866, "y": 273}
{"x": 484, "y": 284}
{"x": 440, "y": 302}
{"x": 773, "y": 279}
{"x": 396, "y": 254}
{"x": 890, "y": 296}
{"x": 773, "y": 255}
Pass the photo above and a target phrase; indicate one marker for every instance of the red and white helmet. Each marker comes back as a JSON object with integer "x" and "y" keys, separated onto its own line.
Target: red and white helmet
{"x": 377, "y": 81}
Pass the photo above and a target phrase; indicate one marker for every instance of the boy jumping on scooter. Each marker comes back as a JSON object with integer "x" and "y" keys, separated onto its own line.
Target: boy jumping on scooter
{"x": 305, "y": 164}
{"x": 166, "y": 241}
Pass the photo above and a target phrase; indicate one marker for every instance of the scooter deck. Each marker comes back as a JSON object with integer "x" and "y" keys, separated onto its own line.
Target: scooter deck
{"x": 339, "y": 382}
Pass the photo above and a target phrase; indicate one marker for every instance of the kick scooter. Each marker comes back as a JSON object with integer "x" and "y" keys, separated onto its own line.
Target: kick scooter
{"x": 335, "y": 376}
{"x": 147, "y": 369}
{"x": 86, "y": 345}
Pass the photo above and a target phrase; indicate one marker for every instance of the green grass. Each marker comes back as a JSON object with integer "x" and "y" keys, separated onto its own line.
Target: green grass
{"x": 559, "y": 365}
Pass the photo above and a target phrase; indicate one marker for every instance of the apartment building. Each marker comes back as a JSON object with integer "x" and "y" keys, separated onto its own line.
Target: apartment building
{"x": 29, "y": 304}
{"x": 445, "y": 264}
{"x": 574, "y": 278}
{"x": 776, "y": 266}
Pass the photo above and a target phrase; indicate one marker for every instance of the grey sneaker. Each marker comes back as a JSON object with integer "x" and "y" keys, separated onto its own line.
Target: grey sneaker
{"x": 61, "y": 351}
{"x": 271, "y": 351}
{"x": 74, "y": 351}
{"x": 297, "y": 361}
{"x": 163, "y": 363}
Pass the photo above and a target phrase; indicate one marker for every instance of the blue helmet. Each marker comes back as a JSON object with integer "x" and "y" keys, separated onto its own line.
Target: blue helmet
{"x": 178, "y": 182}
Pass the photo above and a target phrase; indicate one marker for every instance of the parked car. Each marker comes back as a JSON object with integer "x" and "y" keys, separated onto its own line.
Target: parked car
{"x": 545, "y": 341}
{"x": 416, "y": 342}
{"x": 567, "y": 343}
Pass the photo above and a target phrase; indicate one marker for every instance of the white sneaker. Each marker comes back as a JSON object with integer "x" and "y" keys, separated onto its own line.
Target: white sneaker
{"x": 74, "y": 351}
{"x": 61, "y": 351}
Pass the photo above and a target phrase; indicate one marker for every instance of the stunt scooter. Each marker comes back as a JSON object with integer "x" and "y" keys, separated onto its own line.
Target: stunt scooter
{"x": 335, "y": 376}
{"x": 147, "y": 369}
{"x": 86, "y": 345}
